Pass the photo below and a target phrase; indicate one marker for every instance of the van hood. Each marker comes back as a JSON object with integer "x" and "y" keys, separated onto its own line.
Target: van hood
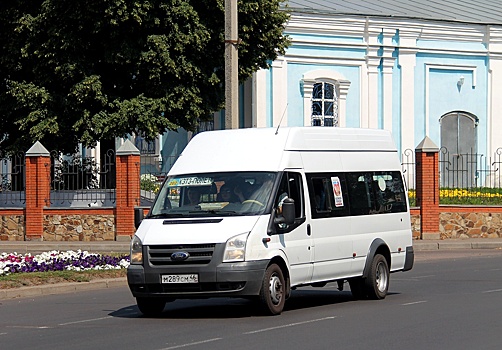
{"x": 194, "y": 230}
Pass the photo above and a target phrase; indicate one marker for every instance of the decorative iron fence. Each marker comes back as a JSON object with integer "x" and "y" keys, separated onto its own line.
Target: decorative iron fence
{"x": 467, "y": 178}
{"x": 469, "y": 170}
{"x": 12, "y": 176}
{"x": 470, "y": 178}
{"x": 408, "y": 169}
{"x": 81, "y": 181}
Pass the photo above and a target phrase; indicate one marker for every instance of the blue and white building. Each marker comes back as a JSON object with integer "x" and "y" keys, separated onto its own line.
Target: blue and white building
{"x": 422, "y": 68}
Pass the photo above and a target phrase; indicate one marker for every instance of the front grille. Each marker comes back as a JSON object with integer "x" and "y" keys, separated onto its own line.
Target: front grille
{"x": 160, "y": 255}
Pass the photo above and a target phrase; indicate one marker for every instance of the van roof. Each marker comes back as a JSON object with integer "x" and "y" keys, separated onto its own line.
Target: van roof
{"x": 256, "y": 149}
{"x": 339, "y": 139}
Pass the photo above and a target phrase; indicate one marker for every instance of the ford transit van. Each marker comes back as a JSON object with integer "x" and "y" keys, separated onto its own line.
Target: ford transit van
{"x": 255, "y": 213}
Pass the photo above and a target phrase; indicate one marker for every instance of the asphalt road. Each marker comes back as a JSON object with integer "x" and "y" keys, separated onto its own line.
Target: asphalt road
{"x": 450, "y": 300}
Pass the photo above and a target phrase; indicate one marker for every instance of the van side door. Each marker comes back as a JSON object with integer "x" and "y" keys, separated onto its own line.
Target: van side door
{"x": 331, "y": 225}
{"x": 295, "y": 238}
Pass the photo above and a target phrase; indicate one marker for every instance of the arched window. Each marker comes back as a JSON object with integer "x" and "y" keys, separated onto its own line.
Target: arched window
{"x": 324, "y": 104}
{"x": 324, "y": 98}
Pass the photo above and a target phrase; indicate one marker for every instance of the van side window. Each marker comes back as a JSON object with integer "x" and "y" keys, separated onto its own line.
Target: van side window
{"x": 388, "y": 189}
{"x": 291, "y": 187}
{"x": 356, "y": 193}
{"x": 328, "y": 195}
{"x": 322, "y": 195}
{"x": 376, "y": 192}
{"x": 360, "y": 193}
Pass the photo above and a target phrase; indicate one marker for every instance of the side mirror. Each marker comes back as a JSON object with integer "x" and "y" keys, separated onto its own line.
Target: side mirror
{"x": 288, "y": 212}
{"x": 138, "y": 216}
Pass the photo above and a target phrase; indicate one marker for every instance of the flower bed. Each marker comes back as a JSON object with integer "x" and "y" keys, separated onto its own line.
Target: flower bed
{"x": 60, "y": 261}
{"x": 458, "y": 196}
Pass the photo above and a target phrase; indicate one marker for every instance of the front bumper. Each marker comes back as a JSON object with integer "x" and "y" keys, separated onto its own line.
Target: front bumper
{"x": 225, "y": 279}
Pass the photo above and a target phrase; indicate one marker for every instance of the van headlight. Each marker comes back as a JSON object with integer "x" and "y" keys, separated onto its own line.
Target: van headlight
{"x": 235, "y": 248}
{"x": 136, "y": 251}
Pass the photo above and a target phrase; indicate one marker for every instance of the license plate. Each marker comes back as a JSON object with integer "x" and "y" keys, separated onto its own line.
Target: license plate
{"x": 192, "y": 278}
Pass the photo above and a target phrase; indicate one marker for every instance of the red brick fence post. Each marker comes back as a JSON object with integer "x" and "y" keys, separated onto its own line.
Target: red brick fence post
{"x": 38, "y": 190}
{"x": 427, "y": 187}
{"x": 128, "y": 190}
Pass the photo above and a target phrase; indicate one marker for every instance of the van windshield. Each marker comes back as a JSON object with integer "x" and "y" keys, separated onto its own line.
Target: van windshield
{"x": 214, "y": 194}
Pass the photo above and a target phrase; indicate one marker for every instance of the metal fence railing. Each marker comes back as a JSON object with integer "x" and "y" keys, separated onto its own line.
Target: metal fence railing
{"x": 408, "y": 169}
{"x": 80, "y": 181}
{"x": 12, "y": 177}
{"x": 464, "y": 178}
{"x": 469, "y": 170}
{"x": 470, "y": 178}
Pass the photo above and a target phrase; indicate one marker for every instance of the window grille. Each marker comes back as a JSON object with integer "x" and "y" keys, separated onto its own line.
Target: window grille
{"x": 324, "y": 105}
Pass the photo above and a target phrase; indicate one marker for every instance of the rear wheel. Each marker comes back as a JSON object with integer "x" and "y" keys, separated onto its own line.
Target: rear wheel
{"x": 151, "y": 306}
{"x": 273, "y": 290}
{"x": 377, "y": 282}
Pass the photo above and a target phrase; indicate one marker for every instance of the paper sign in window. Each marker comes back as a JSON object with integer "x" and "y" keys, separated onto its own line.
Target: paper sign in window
{"x": 337, "y": 191}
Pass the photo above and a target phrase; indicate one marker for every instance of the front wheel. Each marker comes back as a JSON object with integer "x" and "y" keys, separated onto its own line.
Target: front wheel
{"x": 273, "y": 290}
{"x": 377, "y": 282}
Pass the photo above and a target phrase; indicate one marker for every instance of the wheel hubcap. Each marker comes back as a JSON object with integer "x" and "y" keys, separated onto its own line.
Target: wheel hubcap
{"x": 381, "y": 277}
{"x": 275, "y": 289}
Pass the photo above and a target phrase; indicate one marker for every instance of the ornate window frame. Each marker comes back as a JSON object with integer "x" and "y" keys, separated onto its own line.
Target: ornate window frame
{"x": 341, "y": 85}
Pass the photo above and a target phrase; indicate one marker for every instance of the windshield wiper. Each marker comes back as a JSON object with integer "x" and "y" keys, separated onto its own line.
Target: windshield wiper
{"x": 213, "y": 211}
{"x": 165, "y": 215}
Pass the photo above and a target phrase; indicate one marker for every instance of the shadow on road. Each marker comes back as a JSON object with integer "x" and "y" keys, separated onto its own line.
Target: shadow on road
{"x": 239, "y": 308}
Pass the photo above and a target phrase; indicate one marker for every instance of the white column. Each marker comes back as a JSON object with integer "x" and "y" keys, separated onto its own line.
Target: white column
{"x": 372, "y": 33}
{"x": 494, "y": 117}
{"x": 308, "y": 86}
{"x": 259, "y": 99}
{"x": 388, "y": 66}
{"x": 363, "y": 90}
{"x": 371, "y": 121}
{"x": 407, "y": 61}
{"x": 279, "y": 92}
{"x": 343, "y": 88}
{"x": 495, "y": 105}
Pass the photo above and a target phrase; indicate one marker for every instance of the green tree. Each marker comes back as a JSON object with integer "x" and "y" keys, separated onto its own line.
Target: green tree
{"x": 80, "y": 71}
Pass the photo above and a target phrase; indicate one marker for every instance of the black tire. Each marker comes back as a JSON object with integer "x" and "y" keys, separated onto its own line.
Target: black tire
{"x": 151, "y": 307}
{"x": 377, "y": 282}
{"x": 273, "y": 291}
{"x": 358, "y": 288}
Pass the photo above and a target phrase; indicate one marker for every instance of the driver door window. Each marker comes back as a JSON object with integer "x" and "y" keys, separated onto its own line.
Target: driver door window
{"x": 290, "y": 187}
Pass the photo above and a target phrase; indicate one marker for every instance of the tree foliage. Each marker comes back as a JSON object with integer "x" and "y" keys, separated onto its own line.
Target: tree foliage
{"x": 80, "y": 71}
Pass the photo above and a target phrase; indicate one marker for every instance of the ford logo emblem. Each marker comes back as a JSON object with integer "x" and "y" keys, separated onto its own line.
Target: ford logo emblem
{"x": 179, "y": 256}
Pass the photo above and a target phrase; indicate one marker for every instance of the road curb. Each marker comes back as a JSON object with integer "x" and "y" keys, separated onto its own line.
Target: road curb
{"x": 60, "y": 288}
{"x": 457, "y": 244}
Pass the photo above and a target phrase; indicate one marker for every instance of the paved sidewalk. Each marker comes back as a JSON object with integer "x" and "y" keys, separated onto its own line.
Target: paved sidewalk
{"x": 123, "y": 247}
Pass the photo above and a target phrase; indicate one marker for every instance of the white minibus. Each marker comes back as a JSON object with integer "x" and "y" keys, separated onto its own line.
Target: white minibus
{"x": 256, "y": 213}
